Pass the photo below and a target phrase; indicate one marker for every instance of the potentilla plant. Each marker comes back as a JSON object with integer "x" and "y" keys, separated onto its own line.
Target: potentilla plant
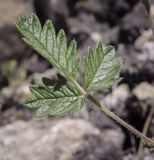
{"x": 65, "y": 94}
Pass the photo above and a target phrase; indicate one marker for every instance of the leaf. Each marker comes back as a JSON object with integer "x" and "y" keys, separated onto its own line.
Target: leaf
{"x": 101, "y": 68}
{"x": 56, "y": 97}
{"x": 47, "y": 44}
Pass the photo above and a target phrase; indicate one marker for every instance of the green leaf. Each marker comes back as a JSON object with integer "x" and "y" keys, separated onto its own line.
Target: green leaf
{"x": 101, "y": 68}
{"x": 46, "y": 43}
{"x": 55, "y": 97}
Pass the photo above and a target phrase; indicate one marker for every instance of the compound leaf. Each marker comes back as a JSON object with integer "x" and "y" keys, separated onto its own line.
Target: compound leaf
{"x": 55, "y": 97}
{"x": 101, "y": 68}
{"x": 46, "y": 43}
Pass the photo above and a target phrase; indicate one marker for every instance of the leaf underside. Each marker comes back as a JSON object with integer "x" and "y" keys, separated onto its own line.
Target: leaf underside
{"x": 47, "y": 44}
{"x": 101, "y": 68}
{"x": 55, "y": 97}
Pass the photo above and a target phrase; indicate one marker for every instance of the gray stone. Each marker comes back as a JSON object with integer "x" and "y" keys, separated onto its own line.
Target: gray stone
{"x": 116, "y": 100}
{"x": 56, "y": 10}
{"x": 65, "y": 139}
{"x": 133, "y": 24}
{"x": 10, "y": 42}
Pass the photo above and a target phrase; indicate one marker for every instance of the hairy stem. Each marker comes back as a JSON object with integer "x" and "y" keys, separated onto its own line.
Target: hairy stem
{"x": 115, "y": 117}
{"x": 120, "y": 121}
{"x": 111, "y": 114}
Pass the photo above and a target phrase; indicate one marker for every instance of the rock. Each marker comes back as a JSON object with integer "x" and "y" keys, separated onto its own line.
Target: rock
{"x": 10, "y": 42}
{"x": 56, "y": 10}
{"x": 138, "y": 63}
{"x": 99, "y": 119}
{"x": 103, "y": 26}
{"x": 116, "y": 100}
{"x": 148, "y": 91}
{"x": 133, "y": 24}
{"x": 76, "y": 17}
{"x": 149, "y": 154}
{"x": 111, "y": 36}
{"x": 85, "y": 35}
{"x": 65, "y": 139}
{"x": 12, "y": 9}
{"x": 147, "y": 52}
{"x": 128, "y": 157}
{"x": 150, "y": 157}
{"x": 145, "y": 37}
{"x": 82, "y": 23}
{"x": 100, "y": 9}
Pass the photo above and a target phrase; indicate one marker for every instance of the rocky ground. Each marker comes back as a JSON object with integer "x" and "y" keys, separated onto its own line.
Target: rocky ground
{"x": 91, "y": 135}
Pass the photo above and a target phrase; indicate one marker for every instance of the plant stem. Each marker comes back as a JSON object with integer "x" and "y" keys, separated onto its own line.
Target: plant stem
{"x": 113, "y": 116}
{"x": 145, "y": 130}
{"x": 120, "y": 121}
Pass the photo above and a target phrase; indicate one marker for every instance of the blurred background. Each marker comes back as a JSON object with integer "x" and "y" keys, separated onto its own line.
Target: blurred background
{"x": 91, "y": 135}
